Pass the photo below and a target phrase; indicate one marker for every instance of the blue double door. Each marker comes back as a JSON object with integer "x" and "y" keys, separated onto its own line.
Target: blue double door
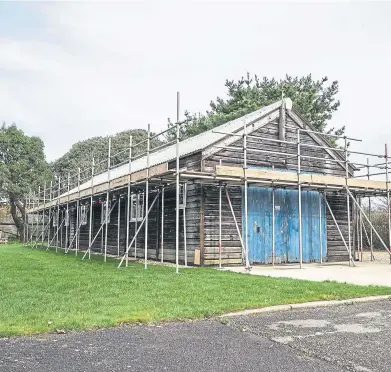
{"x": 286, "y": 225}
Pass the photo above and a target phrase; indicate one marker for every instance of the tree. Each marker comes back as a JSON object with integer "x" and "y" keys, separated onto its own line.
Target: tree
{"x": 315, "y": 99}
{"x": 22, "y": 167}
{"x": 379, "y": 220}
{"x": 82, "y": 153}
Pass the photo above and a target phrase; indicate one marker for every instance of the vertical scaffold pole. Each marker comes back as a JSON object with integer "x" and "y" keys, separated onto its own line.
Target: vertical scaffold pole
{"x": 50, "y": 209}
{"x": 220, "y": 220}
{"x": 299, "y": 197}
{"x": 77, "y": 212}
{"x": 91, "y": 207}
{"x": 388, "y": 200}
{"x": 320, "y": 229}
{"x": 273, "y": 225}
{"x": 369, "y": 216}
{"x": 184, "y": 189}
{"x": 106, "y": 223}
{"x": 118, "y": 222}
{"x": 67, "y": 219}
{"x": 347, "y": 197}
{"x": 107, "y": 198}
{"x": 26, "y": 207}
{"x": 137, "y": 197}
{"x": 31, "y": 199}
{"x": 37, "y": 213}
{"x": 25, "y": 219}
{"x": 355, "y": 233}
{"x": 146, "y": 200}
{"x": 43, "y": 213}
{"x": 39, "y": 205}
{"x": 58, "y": 211}
{"x": 177, "y": 190}
{"x": 37, "y": 199}
{"x": 32, "y": 220}
{"x": 61, "y": 229}
{"x": 34, "y": 223}
{"x": 29, "y": 228}
{"x": 162, "y": 230}
{"x": 360, "y": 230}
{"x": 28, "y": 218}
{"x": 31, "y": 203}
{"x": 247, "y": 262}
{"x": 128, "y": 200}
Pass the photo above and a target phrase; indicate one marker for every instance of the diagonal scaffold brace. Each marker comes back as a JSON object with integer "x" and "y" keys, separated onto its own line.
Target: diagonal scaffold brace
{"x": 76, "y": 232}
{"x": 339, "y": 230}
{"x": 42, "y": 234}
{"x": 55, "y": 235}
{"x": 96, "y": 235}
{"x": 31, "y": 238}
{"x": 138, "y": 230}
{"x": 236, "y": 222}
{"x": 369, "y": 222}
{"x": 32, "y": 232}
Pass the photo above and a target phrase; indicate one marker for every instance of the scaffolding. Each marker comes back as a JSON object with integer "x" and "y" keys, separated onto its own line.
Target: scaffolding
{"x": 152, "y": 180}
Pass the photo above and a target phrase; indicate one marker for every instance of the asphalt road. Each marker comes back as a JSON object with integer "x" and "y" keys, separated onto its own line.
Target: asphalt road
{"x": 354, "y": 337}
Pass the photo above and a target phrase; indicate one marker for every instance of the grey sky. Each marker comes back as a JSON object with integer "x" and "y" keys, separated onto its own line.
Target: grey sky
{"x": 72, "y": 71}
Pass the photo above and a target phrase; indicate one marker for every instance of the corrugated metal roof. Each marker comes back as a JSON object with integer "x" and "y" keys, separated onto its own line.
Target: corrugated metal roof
{"x": 186, "y": 147}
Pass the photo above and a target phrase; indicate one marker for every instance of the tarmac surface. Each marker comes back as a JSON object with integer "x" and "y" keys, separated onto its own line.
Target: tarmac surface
{"x": 350, "y": 337}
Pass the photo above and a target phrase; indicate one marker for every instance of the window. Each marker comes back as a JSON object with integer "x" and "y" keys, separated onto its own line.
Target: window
{"x": 55, "y": 219}
{"x": 137, "y": 207}
{"x": 182, "y": 195}
{"x": 66, "y": 223}
{"x": 104, "y": 212}
{"x": 83, "y": 215}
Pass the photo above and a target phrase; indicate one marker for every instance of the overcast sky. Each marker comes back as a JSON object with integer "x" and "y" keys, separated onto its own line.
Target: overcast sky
{"x": 70, "y": 71}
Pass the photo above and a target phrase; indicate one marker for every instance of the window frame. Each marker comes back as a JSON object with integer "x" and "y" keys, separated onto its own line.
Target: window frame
{"x": 83, "y": 215}
{"x": 56, "y": 219}
{"x": 137, "y": 207}
{"x": 66, "y": 217}
{"x": 103, "y": 212}
{"x": 182, "y": 195}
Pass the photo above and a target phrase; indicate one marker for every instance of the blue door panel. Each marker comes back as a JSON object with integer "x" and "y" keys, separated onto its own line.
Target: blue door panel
{"x": 259, "y": 215}
{"x": 286, "y": 221}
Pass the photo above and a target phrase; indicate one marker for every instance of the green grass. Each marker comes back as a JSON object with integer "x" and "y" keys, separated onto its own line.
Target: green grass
{"x": 41, "y": 291}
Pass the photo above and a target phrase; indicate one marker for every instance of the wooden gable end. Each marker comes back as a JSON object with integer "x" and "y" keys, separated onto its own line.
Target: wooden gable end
{"x": 284, "y": 156}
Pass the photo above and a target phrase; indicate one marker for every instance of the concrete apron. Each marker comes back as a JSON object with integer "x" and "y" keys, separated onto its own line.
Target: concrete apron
{"x": 364, "y": 273}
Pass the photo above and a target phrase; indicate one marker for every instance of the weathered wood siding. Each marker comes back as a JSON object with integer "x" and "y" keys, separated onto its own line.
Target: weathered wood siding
{"x": 336, "y": 250}
{"x": 154, "y": 224}
{"x": 257, "y": 159}
{"x": 231, "y": 250}
{"x": 202, "y": 211}
{"x": 169, "y": 229}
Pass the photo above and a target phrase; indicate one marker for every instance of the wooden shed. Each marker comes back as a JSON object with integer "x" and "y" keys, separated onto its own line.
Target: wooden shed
{"x": 269, "y": 168}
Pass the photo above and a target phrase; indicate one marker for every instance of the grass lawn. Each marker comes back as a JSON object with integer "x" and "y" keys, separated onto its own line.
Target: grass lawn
{"x": 41, "y": 291}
